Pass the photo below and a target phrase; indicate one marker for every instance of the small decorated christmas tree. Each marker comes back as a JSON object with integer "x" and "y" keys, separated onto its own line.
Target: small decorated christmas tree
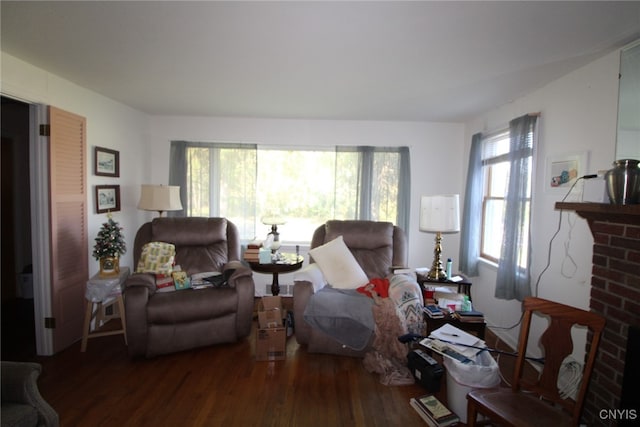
{"x": 110, "y": 241}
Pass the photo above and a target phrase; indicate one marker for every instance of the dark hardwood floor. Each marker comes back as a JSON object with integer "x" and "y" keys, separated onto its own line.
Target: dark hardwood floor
{"x": 219, "y": 385}
{"x": 223, "y": 385}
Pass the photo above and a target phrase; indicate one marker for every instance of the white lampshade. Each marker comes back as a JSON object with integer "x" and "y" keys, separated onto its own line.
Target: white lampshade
{"x": 273, "y": 220}
{"x": 160, "y": 198}
{"x": 440, "y": 213}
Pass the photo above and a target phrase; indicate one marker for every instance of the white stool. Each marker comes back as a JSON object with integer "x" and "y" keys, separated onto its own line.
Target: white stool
{"x": 104, "y": 292}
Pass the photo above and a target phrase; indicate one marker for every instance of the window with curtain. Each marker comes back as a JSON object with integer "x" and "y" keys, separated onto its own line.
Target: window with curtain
{"x": 499, "y": 185}
{"x": 306, "y": 186}
{"x": 495, "y": 174}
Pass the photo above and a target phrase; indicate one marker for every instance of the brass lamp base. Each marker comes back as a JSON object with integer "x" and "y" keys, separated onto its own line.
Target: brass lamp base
{"x": 437, "y": 273}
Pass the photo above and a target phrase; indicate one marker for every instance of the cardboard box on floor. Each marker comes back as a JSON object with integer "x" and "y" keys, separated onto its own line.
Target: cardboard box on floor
{"x": 270, "y": 312}
{"x": 271, "y": 338}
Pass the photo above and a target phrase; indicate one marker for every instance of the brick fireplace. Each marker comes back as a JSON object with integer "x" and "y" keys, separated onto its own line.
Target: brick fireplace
{"x": 615, "y": 293}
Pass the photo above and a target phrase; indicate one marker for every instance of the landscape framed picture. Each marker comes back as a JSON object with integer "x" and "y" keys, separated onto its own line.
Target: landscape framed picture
{"x": 106, "y": 162}
{"x": 107, "y": 198}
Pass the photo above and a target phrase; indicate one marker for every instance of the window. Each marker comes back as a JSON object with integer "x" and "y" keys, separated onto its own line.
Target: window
{"x": 246, "y": 182}
{"x": 495, "y": 169}
{"x": 499, "y": 186}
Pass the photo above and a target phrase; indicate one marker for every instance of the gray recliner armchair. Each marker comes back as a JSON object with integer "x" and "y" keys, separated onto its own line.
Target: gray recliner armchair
{"x": 166, "y": 322}
{"x": 376, "y": 246}
{"x": 22, "y": 404}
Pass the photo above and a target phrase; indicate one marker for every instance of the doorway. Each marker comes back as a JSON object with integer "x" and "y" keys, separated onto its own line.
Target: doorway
{"x": 18, "y": 320}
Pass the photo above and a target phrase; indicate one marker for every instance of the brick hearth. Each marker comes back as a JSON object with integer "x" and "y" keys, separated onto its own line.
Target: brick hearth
{"x": 615, "y": 293}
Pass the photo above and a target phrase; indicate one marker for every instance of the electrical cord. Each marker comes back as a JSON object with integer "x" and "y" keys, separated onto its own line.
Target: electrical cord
{"x": 506, "y": 328}
{"x": 558, "y": 231}
{"x": 569, "y": 378}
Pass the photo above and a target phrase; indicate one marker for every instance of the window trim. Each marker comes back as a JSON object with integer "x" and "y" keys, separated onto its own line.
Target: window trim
{"x": 487, "y": 163}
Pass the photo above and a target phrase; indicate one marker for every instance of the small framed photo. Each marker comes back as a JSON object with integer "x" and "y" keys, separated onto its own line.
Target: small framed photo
{"x": 107, "y": 198}
{"x": 106, "y": 162}
{"x": 563, "y": 171}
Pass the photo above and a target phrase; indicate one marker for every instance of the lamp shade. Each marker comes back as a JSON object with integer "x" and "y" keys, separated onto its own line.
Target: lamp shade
{"x": 273, "y": 220}
{"x": 160, "y": 198}
{"x": 440, "y": 213}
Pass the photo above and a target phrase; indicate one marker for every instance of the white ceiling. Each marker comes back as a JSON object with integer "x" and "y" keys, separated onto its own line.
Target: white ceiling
{"x": 420, "y": 60}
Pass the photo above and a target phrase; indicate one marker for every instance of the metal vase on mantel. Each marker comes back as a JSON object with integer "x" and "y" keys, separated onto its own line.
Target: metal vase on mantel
{"x": 623, "y": 182}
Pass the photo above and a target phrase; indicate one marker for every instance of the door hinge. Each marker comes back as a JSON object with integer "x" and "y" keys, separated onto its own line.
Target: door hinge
{"x": 50, "y": 322}
{"x": 45, "y": 130}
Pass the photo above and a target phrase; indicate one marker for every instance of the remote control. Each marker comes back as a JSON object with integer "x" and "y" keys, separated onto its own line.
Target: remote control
{"x": 454, "y": 354}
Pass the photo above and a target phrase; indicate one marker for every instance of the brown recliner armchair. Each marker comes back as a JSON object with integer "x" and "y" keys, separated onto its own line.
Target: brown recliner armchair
{"x": 376, "y": 246}
{"x": 166, "y": 322}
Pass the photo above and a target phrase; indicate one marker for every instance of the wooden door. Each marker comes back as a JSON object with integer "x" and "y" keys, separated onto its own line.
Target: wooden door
{"x": 68, "y": 213}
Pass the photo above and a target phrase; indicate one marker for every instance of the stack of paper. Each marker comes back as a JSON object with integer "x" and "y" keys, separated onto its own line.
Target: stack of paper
{"x": 451, "y": 341}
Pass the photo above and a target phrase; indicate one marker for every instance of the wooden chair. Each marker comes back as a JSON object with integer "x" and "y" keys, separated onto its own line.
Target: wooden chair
{"x": 539, "y": 403}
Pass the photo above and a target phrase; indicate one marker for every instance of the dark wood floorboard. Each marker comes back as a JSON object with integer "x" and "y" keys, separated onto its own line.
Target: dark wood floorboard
{"x": 219, "y": 385}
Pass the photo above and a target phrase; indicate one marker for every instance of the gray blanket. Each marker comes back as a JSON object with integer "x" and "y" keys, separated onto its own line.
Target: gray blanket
{"x": 343, "y": 314}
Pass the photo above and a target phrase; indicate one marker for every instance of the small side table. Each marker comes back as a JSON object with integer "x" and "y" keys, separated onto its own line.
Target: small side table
{"x": 103, "y": 293}
{"x": 291, "y": 262}
{"x": 464, "y": 285}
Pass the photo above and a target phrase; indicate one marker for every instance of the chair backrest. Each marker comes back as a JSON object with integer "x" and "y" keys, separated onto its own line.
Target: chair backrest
{"x": 202, "y": 244}
{"x": 557, "y": 344}
{"x": 376, "y": 245}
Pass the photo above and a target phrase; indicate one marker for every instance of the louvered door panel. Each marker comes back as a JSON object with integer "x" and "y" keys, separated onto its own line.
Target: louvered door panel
{"x": 69, "y": 259}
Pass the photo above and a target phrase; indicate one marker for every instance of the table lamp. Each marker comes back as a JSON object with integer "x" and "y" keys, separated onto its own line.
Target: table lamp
{"x": 439, "y": 214}
{"x": 160, "y": 198}
{"x": 273, "y": 237}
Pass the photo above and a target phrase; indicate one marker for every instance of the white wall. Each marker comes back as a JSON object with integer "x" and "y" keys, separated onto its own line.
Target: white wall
{"x": 578, "y": 115}
{"x": 436, "y": 148}
{"x": 109, "y": 124}
{"x": 436, "y": 155}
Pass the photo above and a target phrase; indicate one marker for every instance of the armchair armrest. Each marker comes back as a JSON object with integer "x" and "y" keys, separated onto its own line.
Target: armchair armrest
{"x": 306, "y": 282}
{"x": 146, "y": 280}
{"x": 242, "y": 280}
{"x": 19, "y": 385}
{"x": 137, "y": 294}
{"x": 311, "y": 274}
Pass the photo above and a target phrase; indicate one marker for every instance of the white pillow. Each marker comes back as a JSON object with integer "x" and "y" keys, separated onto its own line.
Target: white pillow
{"x": 338, "y": 265}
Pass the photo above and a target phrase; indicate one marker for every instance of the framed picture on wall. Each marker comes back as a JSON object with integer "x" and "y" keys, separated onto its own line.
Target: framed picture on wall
{"x": 106, "y": 162}
{"x": 107, "y": 198}
{"x": 562, "y": 171}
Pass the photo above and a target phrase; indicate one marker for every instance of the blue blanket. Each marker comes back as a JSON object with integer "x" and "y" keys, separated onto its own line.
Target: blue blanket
{"x": 343, "y": 314}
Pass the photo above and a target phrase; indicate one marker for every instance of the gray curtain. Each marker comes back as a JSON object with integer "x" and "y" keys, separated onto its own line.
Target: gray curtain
{"x": 513, "y": 280}
{"x": 178, "y": 173}
{"x": 471, "y": 227}
{"x": 404, "y": 190}
{"x": 365, "y": 180}
{"x": 366, "y": 156}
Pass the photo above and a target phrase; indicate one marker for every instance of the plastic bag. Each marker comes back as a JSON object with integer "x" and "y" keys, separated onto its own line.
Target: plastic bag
{"x": 482, "y": 374}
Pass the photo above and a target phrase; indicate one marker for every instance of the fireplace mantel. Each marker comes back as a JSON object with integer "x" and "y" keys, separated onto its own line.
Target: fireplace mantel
{"x": 625, "y": 214}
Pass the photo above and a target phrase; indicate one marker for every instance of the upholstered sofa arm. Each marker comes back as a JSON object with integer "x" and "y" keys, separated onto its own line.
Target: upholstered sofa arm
{"x": 145, "y": 280}
{"x": 242, "y": 281}
{"x": 306, "y": 282}
{"x": 241, "y": 270}
{"x": 135, "y": 302}
{"x": 19, "y": 386}
{"x": 311, "y": 274}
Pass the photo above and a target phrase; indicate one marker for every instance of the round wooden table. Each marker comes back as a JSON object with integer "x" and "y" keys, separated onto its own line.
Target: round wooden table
{"x": 289, "y": 263}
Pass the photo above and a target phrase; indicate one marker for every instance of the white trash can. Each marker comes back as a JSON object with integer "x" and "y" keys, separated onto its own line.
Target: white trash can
{"x": 464, "y": 377}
